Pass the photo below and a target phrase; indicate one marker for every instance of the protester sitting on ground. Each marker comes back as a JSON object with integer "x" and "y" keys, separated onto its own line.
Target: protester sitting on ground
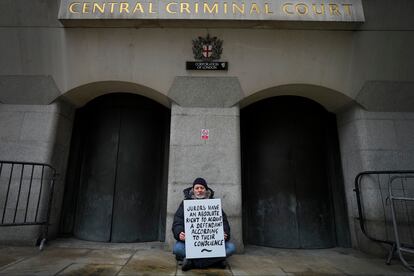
{"x": 199, "y": 190}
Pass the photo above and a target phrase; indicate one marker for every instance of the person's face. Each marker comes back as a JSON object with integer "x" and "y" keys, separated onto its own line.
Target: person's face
{"x": 199, "y": 191}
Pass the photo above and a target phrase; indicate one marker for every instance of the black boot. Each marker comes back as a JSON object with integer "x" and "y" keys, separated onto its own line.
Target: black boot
{"x": 187, "y": 265}
{"x": 221, "y": 264}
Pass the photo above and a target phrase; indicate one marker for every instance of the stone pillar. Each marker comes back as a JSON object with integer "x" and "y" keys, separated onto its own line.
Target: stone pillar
{"x": 372, "y": 141}
{"x": 217, "y": 159}
{"x": 35, "y": 133}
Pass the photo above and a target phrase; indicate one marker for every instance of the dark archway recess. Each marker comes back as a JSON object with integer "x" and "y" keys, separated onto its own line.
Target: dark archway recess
{"x": 293, "y": 193}
{"x": 117, "y": 173}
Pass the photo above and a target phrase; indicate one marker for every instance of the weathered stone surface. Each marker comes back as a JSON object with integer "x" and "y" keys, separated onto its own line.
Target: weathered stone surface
{"x": 91, "y": 269}
{"x": 374, "y": 141}
{"x": 154, "y": 262}
{"x": 206, "y": 91}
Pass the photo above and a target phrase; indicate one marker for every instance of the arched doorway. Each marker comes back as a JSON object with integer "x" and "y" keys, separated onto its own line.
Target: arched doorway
{"x": 116, "y": 177}
{"x": 291, "y": 175}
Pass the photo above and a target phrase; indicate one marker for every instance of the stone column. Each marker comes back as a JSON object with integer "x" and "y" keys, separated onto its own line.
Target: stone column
{"x": 371, "y": 141}
{"x": 34, "y": 133}
{"x": 203, "y": 103}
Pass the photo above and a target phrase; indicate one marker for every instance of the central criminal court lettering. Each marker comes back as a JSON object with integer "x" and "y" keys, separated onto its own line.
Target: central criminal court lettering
{"x": 187, "y": 7}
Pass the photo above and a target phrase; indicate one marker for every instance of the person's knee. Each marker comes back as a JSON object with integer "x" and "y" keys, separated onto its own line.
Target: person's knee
{"x": 179, "y": 249}
{"x": 230, "y": 249}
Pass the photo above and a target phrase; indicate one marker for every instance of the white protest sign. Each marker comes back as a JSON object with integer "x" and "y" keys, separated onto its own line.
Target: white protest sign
{"x": 204, "y": 234}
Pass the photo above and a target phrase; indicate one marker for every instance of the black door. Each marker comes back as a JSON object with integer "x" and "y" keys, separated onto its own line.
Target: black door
{"x": 120, "y": 185}
{"x": 286, "y": 194}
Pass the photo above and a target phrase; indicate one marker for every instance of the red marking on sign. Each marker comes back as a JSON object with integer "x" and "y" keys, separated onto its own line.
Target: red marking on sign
{"x": 204, "y": 134}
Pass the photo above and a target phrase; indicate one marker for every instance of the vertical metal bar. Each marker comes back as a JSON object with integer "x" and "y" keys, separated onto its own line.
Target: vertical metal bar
{"x": 18, "y": 194}
{"x": 49, "y": 207}
{"x": 406, "y": 208}
{"x": 387, "y": 232}
{"x": 394, "y": 221}
{"x": 383, "y": 205}
{"x": 7, "y": 193}
{"x": 40, "y": 193}
{"x": 358, "y": 196}
{"x": 1, "y": 169}
{"x": 28, "y": 194}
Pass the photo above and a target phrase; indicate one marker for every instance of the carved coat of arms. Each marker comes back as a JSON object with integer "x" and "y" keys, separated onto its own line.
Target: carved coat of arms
{"x": 207, "y": 48}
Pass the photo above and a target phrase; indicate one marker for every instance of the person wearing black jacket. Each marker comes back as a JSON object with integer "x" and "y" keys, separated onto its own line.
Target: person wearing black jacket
{"x": 199, "y": 190}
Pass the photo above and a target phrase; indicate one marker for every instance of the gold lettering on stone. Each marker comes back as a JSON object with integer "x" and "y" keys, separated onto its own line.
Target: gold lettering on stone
{"x": 254, "y": 8}
{"x": 85, "y": 7}
{"x": 168, "y": 7}
{"x": 214, "y": 8}
{"x": 320, "y": 11}
{"x": 96, "y": 7}
{"x": 347, "y": 8}
{"x": 286, "y": 8}
{"x": 150, "y": 9}
{"x": 124, "y": 7}
{"x": 240, "y": 9}
{"x": 301, "y": 9}
{"x": 334, "y": 9}
{"x": 192, "y": 7}
{"x": 267, "y": 8}
{"x": 112, "y": 4}
{"x": 138, "y": 7}
{"x": 72, "y": 7}
{"x": 185, "y": 7}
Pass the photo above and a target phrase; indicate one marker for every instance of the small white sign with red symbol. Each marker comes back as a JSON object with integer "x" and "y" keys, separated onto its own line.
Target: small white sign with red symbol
{"x": 204, "y": 134}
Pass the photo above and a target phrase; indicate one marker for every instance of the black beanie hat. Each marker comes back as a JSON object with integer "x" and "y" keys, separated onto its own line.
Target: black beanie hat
{"x": 200, "y": 181}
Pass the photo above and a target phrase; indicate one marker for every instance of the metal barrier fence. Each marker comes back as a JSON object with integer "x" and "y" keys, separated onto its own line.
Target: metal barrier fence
{"x": 26, "y": 193}
{"x": 385, "y": 202}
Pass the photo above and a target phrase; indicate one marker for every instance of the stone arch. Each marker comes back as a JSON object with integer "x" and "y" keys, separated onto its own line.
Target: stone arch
{"x": 330, "y": 99}
{"x": 83, "y": 94}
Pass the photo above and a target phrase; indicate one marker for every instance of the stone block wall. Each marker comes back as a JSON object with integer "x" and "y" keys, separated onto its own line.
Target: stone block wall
{"x": 33, "y": 133}
{"x": 373, "y": 141}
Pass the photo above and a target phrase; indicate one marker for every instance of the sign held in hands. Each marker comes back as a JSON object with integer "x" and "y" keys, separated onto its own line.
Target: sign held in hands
{"x": 204, "y": 233}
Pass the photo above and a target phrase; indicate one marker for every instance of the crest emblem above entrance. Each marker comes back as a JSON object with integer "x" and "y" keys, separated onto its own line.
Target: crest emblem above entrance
{"x": 207, "y": 48}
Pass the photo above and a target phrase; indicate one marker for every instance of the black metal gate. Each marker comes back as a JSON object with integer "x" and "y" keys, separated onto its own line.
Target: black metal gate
{"x": 26, "y": 194}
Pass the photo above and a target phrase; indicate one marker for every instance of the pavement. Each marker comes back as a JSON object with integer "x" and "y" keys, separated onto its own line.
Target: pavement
{"x": 74, "y": 257}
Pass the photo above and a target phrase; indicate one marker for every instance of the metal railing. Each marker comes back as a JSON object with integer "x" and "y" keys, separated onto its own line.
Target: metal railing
{"x": 387, "y": 216}
{"x": 26, "y": 193}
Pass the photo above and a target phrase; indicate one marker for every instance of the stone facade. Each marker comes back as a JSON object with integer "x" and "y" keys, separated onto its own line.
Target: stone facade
{"x": 362, "y": 73}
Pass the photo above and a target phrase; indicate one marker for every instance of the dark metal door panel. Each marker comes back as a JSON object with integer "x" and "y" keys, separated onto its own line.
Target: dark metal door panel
{"x": 136, "y": 208}
{"x": 313, "y": 197}
{"x": 271, "y": 195}
{"x": 122, "y": 170}
{"x": 95, "y": 199}
{"x": 286, "y": 193}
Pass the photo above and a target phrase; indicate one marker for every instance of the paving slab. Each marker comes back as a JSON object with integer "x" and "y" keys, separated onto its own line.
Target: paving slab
{"x": 150, "y": 262}
{"x": 10, "y": 255}
{"x": 107, "y": 256}
{"x": 152, "y": 259}
{"x": 47, "y": 262}
{"x": 35, "y": 267}
{"x": 90, "y": 269}
{"x": 252, "y": 265}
